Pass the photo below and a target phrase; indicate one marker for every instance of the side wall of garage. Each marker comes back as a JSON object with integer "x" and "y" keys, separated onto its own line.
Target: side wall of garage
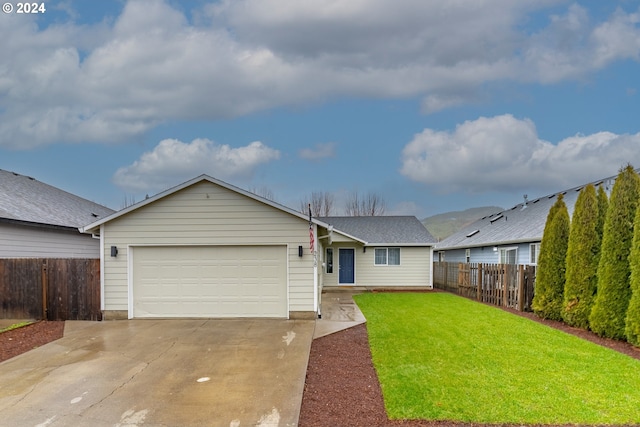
{"x": 206, "y": 214}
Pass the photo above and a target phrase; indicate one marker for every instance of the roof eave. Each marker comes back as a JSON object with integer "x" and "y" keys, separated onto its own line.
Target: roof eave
{"x": 485, "y": 244}
{"x": 335, "y": 230}
{"x": 38, "y": 224}
{"x": 414, "y": 244}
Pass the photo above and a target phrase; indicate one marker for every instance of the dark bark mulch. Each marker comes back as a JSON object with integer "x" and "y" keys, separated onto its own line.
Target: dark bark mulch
{"x": 23, "y": 339}
{"x": 342, "y": 387}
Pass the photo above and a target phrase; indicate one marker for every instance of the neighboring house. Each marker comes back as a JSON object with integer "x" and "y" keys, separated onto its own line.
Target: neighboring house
{"x": 511, "y": 236}
{"x": 208, "y": 249}
{"x": 41, "y": 221}
{"x": 388, "y": 252}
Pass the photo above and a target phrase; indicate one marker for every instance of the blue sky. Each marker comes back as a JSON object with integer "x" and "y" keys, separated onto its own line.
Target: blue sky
{"x": 434, "y": 105}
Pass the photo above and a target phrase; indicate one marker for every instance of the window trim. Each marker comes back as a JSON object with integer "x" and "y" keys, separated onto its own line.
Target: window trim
{"x": 386, "y": 258}
{"x": 537, "y": 253}
{"x": 507, "y": 249}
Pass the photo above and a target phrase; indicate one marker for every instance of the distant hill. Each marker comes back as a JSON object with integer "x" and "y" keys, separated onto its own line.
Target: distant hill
{"x": 445, "y": 224}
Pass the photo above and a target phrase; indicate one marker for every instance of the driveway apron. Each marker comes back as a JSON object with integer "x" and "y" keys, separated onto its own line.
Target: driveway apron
{"x": 230, "y": 373}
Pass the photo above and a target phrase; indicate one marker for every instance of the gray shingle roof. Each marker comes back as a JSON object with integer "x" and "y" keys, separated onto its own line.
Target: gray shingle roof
{"x": 23, "y": 198}
{"x": 522, "y": 223}
{"x": 395, "y": 230}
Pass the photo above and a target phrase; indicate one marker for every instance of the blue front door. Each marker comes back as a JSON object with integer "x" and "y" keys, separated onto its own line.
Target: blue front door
{"x": 347, "y": 271}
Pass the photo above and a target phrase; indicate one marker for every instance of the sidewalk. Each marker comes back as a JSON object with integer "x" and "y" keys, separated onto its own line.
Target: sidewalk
{"x": 339, "y": 312}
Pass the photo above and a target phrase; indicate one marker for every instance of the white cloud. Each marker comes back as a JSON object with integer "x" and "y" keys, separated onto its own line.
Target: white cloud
{"x": 504, "y": 153}
{"x": 113, "y": 82}
{"x": 319, "y": 151}
{"x": 172, "y": 162}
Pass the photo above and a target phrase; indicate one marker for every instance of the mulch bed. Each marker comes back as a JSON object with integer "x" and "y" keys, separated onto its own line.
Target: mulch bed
{"x": 23, "y": 339}
{"x": 342, "y": 388}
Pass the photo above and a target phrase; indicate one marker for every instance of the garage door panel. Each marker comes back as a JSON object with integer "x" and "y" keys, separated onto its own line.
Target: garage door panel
{"x": 220, "y": 281}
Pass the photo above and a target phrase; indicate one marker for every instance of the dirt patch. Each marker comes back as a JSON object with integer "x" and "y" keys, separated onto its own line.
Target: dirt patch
{"x": 21, "y": 340}
{"x": 342, "y": 387}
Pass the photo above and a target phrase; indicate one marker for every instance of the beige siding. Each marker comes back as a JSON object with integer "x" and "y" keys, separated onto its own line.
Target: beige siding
{"x": 31, "y": 242}
{"x": 206, "y": 214}
{"x": 414, "y": 269}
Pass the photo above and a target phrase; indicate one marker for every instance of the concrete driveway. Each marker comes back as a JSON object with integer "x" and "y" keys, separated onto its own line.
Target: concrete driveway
{"x": 230, "y": 373}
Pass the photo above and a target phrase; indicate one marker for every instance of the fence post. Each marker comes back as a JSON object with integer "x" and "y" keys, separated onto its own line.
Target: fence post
{"x": 479, "y": 283}
{"x": 446, "y": 278}
{"x": 521, "y": 286}
{"x": 45, "y": 282}
{"x": 505, "y": 285}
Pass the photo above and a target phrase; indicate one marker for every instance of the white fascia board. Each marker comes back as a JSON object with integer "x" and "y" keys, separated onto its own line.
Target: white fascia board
{"x": 347, "y": 235}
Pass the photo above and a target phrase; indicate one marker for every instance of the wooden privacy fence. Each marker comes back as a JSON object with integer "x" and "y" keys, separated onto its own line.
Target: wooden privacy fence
{"x": 505, "y": 285}
{"x": 52, "y": 289}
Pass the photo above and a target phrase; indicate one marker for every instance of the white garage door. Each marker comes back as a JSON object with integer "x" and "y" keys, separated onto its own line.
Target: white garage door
{"x": 210, "y": 281}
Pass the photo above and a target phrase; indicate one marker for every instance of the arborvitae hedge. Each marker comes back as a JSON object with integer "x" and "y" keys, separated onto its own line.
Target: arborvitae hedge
{"x": 632, "y": 324}
{"x": 548, "y": 296}
{"x": 582, "y": 260}
{"x": 609, "y": 311}
{"x": 603, "y": 205}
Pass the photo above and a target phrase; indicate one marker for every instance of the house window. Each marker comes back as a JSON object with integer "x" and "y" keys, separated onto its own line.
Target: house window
{"x": 394, "y": 256}
{"x": 381, "y": 256}
{"x": 508, "y": 255}
{"x": 387, "y": 256}
{"x": 534, "y": 252}
{"x": 467, "y": 255}
{"x": 441, "y": 256}
{"x": 329, "y": 260}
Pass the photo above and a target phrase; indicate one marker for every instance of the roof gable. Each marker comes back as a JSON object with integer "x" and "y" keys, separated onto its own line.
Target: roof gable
{"x": 383, "y": 230}
{"x": 25, "y": 199}
{"x": 92, "y": 227}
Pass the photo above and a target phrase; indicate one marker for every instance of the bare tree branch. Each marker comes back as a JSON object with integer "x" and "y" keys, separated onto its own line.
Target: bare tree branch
{"x": 263, "y": 191}
{"x": 128, "y": 201}
{"x": 372, "y": 204}
{"x": 321, "y": 204}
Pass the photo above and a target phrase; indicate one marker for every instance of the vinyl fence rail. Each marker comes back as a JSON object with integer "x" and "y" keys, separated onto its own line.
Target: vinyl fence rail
{"x": 504, "y": 285}
{"x": 51, "y": 289}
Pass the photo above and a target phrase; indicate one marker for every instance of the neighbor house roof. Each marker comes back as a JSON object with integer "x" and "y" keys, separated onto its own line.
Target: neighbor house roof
{"x": 26, "y": 200}
{"x": 383, "y": 230}
{"x": 520, "y": 224}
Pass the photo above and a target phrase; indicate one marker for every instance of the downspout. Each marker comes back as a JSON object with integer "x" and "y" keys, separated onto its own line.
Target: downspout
{"x": 102, "y": 299}
{"x": 316, "y": 293}
{"x": 430, "y": 284}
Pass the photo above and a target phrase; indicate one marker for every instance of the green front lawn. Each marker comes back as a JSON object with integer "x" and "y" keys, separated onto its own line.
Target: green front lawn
{"x": 443, "y": 357}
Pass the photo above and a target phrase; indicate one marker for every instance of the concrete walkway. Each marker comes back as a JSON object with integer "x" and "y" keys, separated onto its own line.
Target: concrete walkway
{"x": 339, "y": 312}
